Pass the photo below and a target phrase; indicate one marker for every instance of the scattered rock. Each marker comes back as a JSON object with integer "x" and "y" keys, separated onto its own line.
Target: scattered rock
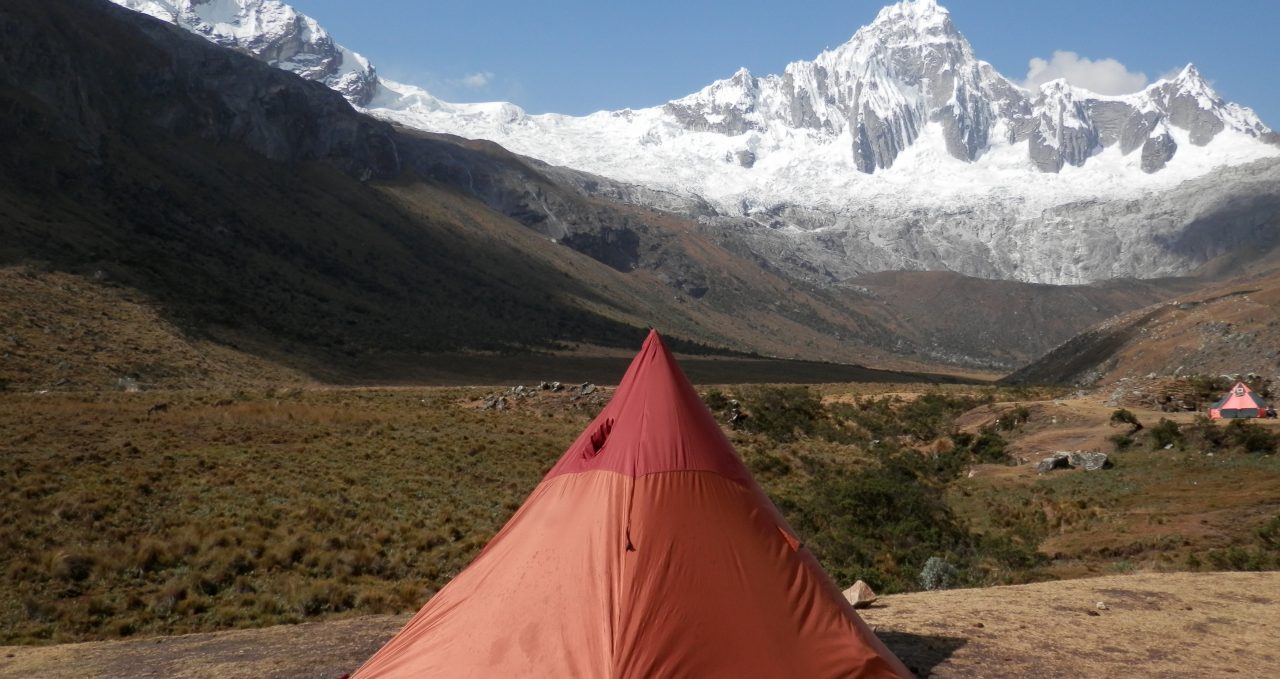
{"x": 1055, "y": 461}
{"x": 1093, "y": 613}
{"x": 1102, "y": 605}
{"x": 587, "y": 389}
{"x": 1090, "y": 461}
{"x": 1086, "y": 460}
{"x": 860, "y": 595}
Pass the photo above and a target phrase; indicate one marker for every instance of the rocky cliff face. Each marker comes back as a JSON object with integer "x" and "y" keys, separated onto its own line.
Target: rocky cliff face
{"x": 273, "y": 32}
{"x": 175, "y": 84}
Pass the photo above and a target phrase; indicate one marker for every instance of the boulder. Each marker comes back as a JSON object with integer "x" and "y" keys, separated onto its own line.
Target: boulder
{"x": 860, "y": 595}
{"x": 1055, "y": 461}
{"x": 1089, "y": 460}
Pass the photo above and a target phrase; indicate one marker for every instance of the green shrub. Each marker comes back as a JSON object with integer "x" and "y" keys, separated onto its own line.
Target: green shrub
{"x": 1269, "y": 534}
{"x": 938, "y": 574}
{"x": 989, "y": 447}
{"x": 1165, "y": 433}
{"x": 1014, "y": 418}
{"x": 1241, "y": 559}
{"x": 716, "y": 400}
{"x": 783, "y": 413}
{"x": 1123, "y": 416}
{"x": 1121, "y": 441}
{"x": 1252, "y": 438}
{"x": 1205, "y": 434}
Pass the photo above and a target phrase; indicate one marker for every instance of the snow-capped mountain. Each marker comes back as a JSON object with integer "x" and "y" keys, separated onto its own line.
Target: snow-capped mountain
{"x": 897, "y": 149}
{"x": 272, "y": 32}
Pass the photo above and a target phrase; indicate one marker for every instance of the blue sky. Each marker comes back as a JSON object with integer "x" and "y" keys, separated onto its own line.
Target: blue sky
{"x": 577, "y": 57}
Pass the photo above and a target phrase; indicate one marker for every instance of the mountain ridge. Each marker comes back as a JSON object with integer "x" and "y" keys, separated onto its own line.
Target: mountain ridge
{"x": 830, "y": 156}
{"x": 255, "y": 209}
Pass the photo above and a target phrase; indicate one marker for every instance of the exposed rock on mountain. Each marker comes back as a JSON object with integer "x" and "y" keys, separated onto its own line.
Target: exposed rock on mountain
{"x": 275, "y": 33}
{"x": 820, "y": 169}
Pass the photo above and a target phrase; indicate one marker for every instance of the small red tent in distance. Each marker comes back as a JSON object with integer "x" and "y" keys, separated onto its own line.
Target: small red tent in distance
{"x": 1240, "y": 402}
{"x": 647, "y": 551}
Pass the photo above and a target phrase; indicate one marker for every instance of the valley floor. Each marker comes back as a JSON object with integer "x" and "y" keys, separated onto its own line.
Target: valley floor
{"x": 1165, "y": 624}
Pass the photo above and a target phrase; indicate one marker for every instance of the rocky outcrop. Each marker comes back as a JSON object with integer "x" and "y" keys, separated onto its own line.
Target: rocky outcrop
{"x": 1064, "y": 132}
{"x": 728, "y": 109}
{"x": 180, "y": 86}
{"x": 1158, "y": 150}
{"x": 878, "y": 140}
{"x": 274, "y": 32}
{"x": 1086, "y": 460}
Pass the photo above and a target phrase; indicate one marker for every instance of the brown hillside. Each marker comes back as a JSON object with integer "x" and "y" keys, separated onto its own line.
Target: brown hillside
{"x": 1166, "y": 625}
{"x": 1230, "y": 328}
{"x": 1001, "y": 324}
{"x": 59, "y": 331}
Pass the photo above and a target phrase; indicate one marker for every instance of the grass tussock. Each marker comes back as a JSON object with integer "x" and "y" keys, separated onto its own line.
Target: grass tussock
{"x": 248, "y": 509}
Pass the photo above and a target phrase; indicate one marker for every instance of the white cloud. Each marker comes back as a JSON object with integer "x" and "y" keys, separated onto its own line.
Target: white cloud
{"x": 1104, "y": 76}
{"x": 475, "y": 81}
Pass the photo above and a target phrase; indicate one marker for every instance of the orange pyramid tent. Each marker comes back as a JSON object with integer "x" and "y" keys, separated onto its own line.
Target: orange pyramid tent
{"x": 647, "y": 551}
{"x": 1239, "y": 402}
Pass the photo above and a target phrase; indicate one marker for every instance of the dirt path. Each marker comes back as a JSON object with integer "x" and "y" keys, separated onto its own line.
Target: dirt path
{"x": 1166, "y": 625}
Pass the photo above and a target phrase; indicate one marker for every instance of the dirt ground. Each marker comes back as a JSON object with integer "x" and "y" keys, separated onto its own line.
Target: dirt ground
{"x": 1159, "y": 625}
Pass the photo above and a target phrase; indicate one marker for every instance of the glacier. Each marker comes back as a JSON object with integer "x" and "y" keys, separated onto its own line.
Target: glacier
{"x": 899, "y": 149}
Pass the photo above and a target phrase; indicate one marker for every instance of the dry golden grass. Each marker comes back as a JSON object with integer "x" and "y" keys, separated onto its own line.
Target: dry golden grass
{"x": 238, "y": 509}
{"x": 228, "y": 510}
{"x": 59, "y": 331}
{"x": 1158, "y": 509}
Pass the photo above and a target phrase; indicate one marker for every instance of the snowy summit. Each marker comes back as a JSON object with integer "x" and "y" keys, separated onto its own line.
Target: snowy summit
{"x": 903, "y": 120}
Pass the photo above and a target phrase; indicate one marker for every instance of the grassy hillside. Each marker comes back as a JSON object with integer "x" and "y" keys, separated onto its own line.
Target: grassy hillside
{"x": 246, "y": 508}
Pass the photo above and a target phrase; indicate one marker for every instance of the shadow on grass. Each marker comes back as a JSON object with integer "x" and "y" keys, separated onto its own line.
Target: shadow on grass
{"x": 919, "y": 652}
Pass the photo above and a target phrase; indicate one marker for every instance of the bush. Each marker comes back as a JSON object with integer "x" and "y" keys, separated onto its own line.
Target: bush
{"x": 1252, "y": 438}
{"x": 1269, "y": 534}
{"x": 783, "y": 413}
{"x": 1123, "y": 416}
{"x": 938, "y": 574}
{"x": 1241, "y": 559}
{"x": 1165, "y": 433}
{"x": 1121, "y": 441}
{"x": 1014, "y": 418}
{"x": 1204, "y": 433}
{"x": 716, "y": 400}
{"x": 989, "y": 447}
